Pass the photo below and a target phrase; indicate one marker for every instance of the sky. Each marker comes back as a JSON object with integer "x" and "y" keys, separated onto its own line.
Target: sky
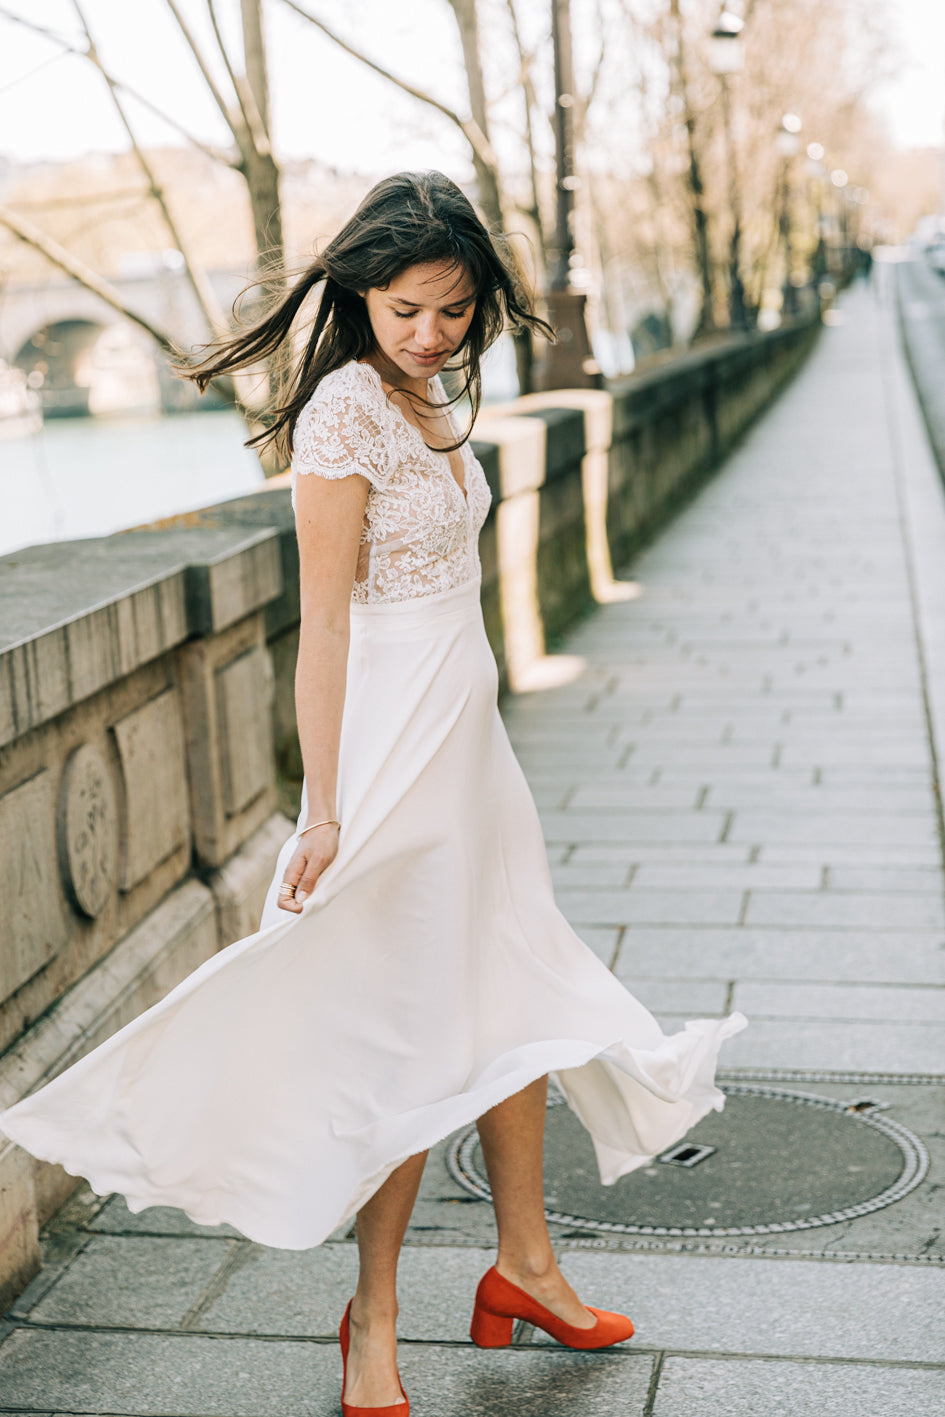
{"x": 313, "y": 80}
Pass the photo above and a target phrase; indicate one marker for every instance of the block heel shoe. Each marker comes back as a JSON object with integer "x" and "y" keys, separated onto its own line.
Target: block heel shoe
{"x": 499, "y": 1303}
{"x": 399, "y": 1409}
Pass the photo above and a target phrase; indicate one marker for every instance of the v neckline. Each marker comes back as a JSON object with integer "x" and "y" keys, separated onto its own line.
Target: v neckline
{"x": 461, "y": 487}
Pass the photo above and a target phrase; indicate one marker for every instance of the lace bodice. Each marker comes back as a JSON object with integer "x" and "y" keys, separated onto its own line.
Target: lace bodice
{"x": 420, "y": 532}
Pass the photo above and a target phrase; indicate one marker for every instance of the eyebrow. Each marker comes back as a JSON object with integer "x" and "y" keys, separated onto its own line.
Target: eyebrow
{"x": 449, "y": 305}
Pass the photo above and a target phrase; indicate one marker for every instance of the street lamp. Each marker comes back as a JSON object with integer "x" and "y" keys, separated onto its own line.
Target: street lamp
{"x": 570, "y": 362}
{"x": 727, "y": 57}
{"x": 817, "y": 172}
{"x": 726, "y": 46}
{"x": 788, "y": 144}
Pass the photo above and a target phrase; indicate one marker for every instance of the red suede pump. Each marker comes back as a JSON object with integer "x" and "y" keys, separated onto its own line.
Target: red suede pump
{"x": 499, "y": 1303}
{"x": 399, "y": 1409}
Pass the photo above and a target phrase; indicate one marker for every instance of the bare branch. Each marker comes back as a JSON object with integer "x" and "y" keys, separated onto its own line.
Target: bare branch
{"x": 76, "y": 268}
{"x": 252, "y": 118}
{"x": 217, "y": 154}
{"x": 203, "y": 290}
{"x": 589, "y": 97}
{"x": 228, "y": 159}
{"x": 528, "y": 94}
{"x": 240, "y": 132}
{"x": 467, "y": 126}
{"x": 73, "y": 266}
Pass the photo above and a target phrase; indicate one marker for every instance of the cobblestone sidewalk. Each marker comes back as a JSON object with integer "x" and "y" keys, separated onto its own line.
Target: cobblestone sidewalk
{"x": 737, "y": 783}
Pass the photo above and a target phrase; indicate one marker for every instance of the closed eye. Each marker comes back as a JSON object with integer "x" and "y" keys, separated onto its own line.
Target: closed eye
{"x": 450, "y": 314}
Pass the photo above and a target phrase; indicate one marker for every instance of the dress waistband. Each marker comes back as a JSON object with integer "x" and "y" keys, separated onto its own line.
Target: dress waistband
{"x": 421, "y": 607}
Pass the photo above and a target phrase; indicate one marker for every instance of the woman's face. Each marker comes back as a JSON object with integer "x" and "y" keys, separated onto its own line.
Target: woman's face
{"x": 421, "y": 317}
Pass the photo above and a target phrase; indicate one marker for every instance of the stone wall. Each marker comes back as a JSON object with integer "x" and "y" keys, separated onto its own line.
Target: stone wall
{"x": 920, "y": 297}
{"x": 147, "y": 724}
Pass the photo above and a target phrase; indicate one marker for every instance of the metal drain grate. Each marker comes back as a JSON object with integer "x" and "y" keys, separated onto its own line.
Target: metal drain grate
{"x": 685, "y": 1154}
{"x": 774, "y": 1161}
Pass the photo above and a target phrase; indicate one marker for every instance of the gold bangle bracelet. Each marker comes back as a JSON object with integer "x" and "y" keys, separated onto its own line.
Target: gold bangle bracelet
{"x": 329, "y": 823}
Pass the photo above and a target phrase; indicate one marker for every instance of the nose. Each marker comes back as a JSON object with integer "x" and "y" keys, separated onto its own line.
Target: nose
{"x": 427, "y": 332}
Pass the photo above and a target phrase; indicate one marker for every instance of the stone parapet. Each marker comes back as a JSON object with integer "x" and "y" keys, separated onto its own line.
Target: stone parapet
{"x": 147, "y": 717}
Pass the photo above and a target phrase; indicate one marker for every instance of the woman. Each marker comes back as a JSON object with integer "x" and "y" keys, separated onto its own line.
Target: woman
{"x": 412, "y": 972}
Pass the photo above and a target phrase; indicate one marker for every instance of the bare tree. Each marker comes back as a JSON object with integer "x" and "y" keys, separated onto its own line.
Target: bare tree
{"x": 496, "y": 203}
{"x": 700, "y": 222}
{"x": 203, "y": 290}
{"x": 246, "y": 114}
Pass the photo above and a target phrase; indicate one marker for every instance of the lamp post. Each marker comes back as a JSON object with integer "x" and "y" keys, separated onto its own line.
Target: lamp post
{"x": 727, "y": 57}
{"x": 840, "y": 181}
{"x": 788, "y": 145}
{"x": 570, "y": 363}
{"x": 817, "y": 173}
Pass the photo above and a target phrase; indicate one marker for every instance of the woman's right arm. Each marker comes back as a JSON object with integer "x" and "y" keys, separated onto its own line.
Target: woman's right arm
{"x": 329, "y": 515}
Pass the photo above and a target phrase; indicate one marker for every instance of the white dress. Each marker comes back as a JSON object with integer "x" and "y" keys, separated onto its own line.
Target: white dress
{"x": 430, "y": 974}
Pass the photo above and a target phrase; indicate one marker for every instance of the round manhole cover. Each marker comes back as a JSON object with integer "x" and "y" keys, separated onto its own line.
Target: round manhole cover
{"x": 772, "y": 1161}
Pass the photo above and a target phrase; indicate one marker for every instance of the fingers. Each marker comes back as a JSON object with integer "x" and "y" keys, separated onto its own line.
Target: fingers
{"x": 302, "y": 873}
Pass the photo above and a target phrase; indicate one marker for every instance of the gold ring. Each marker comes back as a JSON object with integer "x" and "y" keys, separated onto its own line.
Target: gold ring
{"x": 286, "y": 889}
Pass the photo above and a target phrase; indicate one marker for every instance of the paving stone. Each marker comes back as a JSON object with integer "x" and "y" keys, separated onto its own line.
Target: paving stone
{"x": 706, "y": 853}
{"x": 894, "y": 754}
{"x": 651, "y": 826}
{"x": 886, "y": 878}
{"x": 709, "y": 759}
{"x": 601, "y": 873}
{"x": 876, "y": 774}
{"x": 696, "y": 998}
{"x": 652, "y": 907}
{"x": 838, "y": 854}
{"x": 523, "y": 1382}
{"x": 133, "y": 1281}
{"x": 896, "y": 828}
{"x": 176, "y": 1375}
{"x": 802, "y": 875}
{"x": 816, "y": 797}
{"x": 603, "y": 940}
{"x": 284, "y": 1292}
{"x": 853, "y": 910}
{"x": 710, "y": 1387}
{"x": 837, "y": 1001}
{"x": 115, "y": 1218}
{"x": 770, "y": 779}
{"x": 837, "y": 956}
{"x": 851, "y": 1046}
{"x": 750, "y": 1306}
{"x": 280, "y": 1292}
{"x": 616, "y": 796}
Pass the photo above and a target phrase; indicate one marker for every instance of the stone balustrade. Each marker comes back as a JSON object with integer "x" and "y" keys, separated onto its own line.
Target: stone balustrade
{"x": 147, "y": 733}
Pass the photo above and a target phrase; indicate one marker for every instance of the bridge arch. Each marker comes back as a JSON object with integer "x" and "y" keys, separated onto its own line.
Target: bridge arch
{"x": 88, "y": 365}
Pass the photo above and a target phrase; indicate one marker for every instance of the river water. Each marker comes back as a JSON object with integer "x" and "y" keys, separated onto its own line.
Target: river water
{"x": 80, "y": 477}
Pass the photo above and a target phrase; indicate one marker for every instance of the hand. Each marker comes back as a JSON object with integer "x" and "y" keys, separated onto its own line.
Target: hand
{"x": 316, "y": 850}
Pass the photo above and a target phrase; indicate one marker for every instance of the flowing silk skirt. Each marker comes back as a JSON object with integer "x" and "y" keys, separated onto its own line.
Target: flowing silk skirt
{"x": 429, "y": 976}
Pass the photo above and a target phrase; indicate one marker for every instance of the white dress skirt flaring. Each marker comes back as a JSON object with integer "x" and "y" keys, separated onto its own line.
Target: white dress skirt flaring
{"x": 429, "y": 976}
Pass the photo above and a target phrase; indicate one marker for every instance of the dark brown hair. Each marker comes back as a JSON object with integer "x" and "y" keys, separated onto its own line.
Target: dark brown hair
{"x": 406, "y": 220}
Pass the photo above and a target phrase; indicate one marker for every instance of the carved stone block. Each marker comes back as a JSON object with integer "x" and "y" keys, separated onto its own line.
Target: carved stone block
{"x": 150, "y": 744}
{"x": 31, "y": 905}
{"x": 88, "y": 829}
{"x": 245, "y": 728}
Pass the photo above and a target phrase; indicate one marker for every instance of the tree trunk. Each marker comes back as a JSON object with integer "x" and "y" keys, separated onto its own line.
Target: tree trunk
{"x": 490, "y": 196}
{"x": 700, "y": 223}
{"x": 467, "y": 20}
{"x": 260, "y": 167}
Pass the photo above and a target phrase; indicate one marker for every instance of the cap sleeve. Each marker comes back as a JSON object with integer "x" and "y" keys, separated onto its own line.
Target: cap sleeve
{"x": 343, "y": 429}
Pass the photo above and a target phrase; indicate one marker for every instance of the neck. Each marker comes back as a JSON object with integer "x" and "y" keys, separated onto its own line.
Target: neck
{"x": 396, "y": 377}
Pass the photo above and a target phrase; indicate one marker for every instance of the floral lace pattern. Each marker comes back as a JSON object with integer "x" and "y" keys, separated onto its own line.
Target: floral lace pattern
{"x": 420, "y": 533}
